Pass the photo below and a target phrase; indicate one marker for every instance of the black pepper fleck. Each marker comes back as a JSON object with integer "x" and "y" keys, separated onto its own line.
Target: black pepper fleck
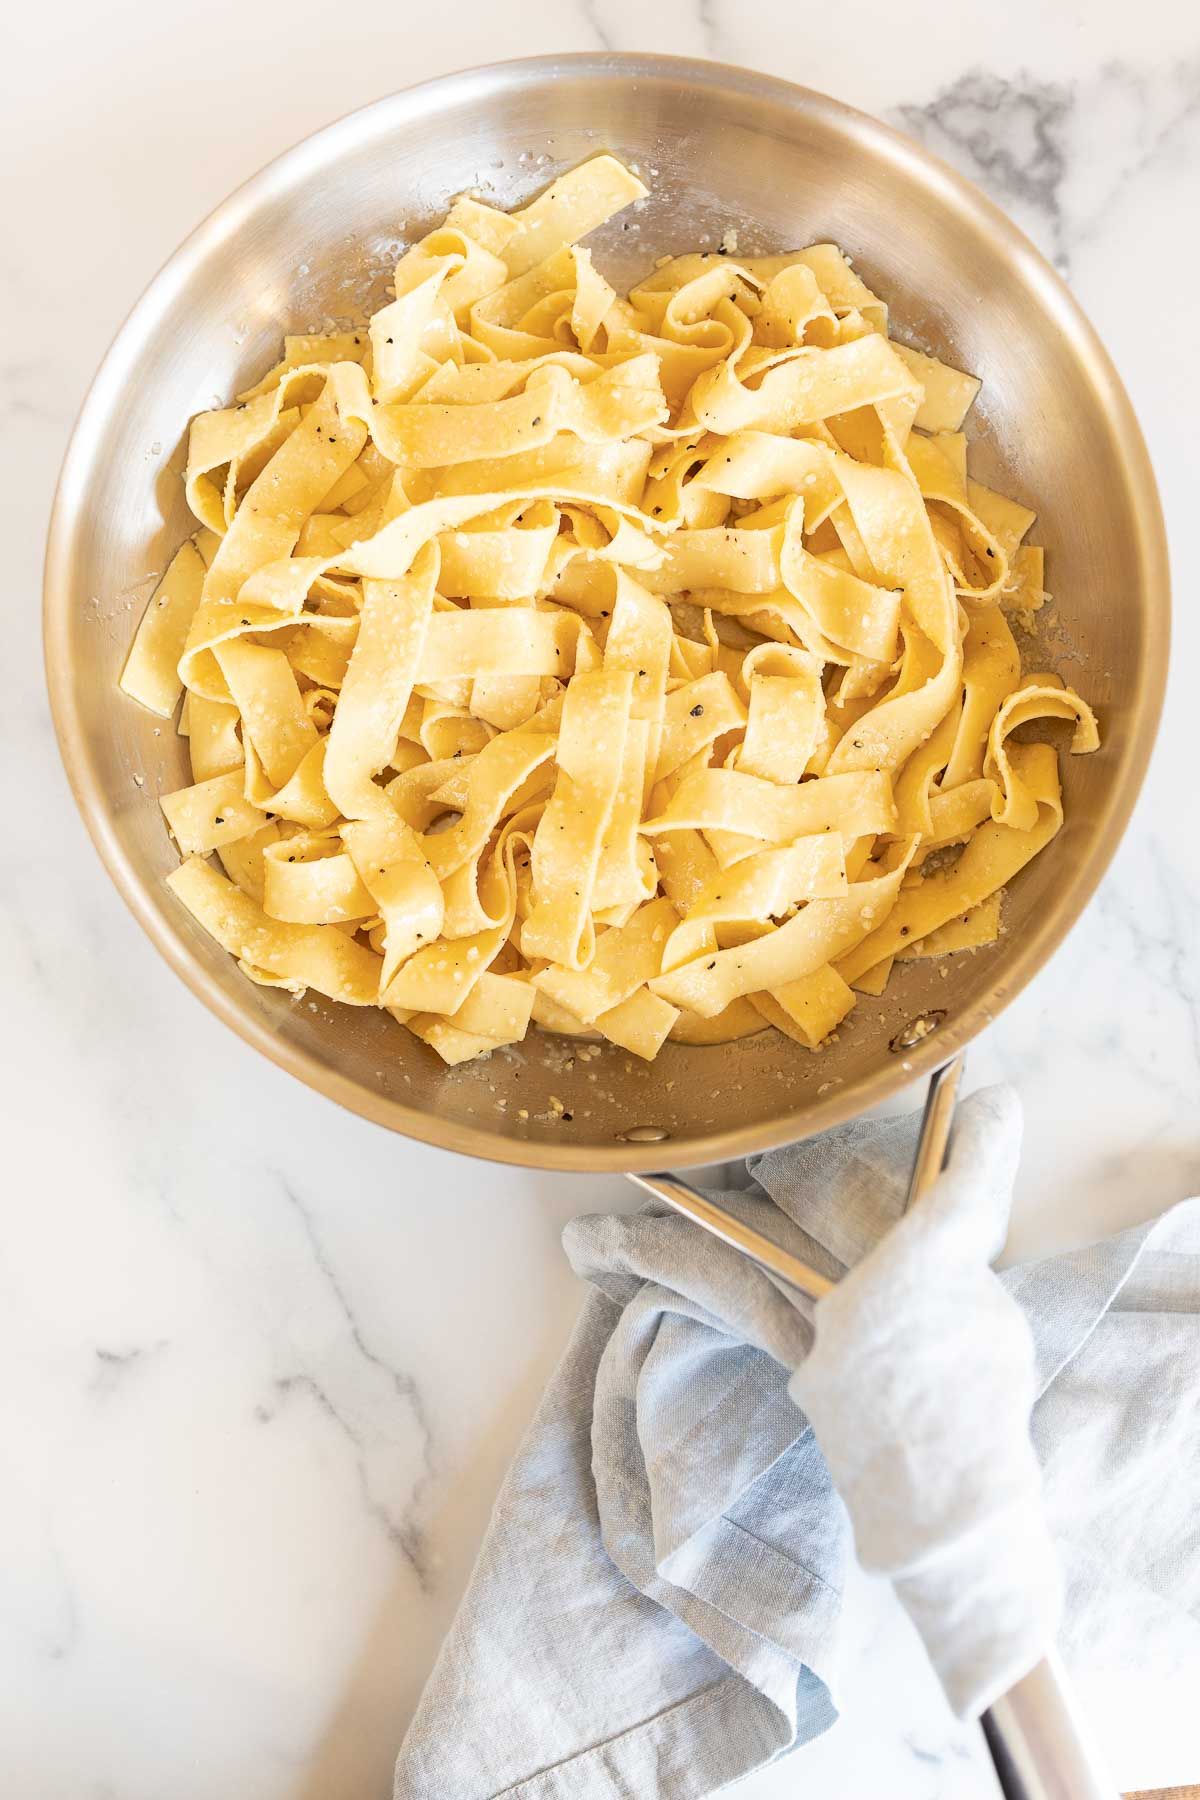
{"x": 697, "y": 712}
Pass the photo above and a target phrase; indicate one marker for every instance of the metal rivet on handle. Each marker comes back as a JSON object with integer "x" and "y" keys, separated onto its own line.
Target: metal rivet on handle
{"x": 643, "y": 1134}
{"x": 916, "y": 1031}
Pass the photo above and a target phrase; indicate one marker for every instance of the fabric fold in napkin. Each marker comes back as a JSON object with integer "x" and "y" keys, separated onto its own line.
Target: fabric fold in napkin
{"x": 657, "y": 1604}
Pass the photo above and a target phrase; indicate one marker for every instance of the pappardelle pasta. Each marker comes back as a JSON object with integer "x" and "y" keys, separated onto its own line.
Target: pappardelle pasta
{"x": 633, "y": 666}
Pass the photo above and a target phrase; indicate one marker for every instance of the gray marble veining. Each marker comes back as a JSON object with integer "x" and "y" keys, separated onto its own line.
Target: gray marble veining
{"x": 261, "y": 1364}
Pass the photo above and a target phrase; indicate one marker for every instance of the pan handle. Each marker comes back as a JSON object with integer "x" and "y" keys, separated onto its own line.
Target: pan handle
{"x": 927, "y": 1166}
{"x": 933, "y": 1139}
{"x": 712, "y": 1218}
{"x": 1035, "y": 1736}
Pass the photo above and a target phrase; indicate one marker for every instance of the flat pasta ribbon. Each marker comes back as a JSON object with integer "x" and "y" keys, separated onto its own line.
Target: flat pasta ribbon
{"x": 637, "y": 666}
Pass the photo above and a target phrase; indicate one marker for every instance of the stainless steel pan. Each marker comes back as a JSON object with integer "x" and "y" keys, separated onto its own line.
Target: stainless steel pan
{"x": 315, "y": 235}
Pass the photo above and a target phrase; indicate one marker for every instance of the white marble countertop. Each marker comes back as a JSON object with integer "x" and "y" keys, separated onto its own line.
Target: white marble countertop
{"x": 263, "y": 1364}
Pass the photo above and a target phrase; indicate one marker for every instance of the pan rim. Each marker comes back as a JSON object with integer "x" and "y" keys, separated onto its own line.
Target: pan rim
{"x": 305, "y": 159}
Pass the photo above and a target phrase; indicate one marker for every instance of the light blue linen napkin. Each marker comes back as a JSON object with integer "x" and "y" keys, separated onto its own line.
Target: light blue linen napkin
{"x": 655, "y": 1610}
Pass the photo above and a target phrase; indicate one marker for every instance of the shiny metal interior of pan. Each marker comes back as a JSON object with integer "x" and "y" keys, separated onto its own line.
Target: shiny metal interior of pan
{"x": 314, "y": 238}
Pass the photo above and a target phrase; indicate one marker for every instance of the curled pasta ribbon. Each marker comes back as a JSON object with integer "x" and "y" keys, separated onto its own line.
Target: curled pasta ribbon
{"x": 633, "y": 666}
{"x": 765, "y": 886}
{"x": 1043, "y": 697}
